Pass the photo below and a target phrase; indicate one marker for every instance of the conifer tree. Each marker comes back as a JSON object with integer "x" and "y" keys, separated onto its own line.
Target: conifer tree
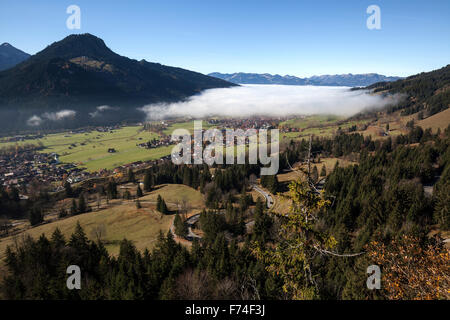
{"x": 36, "y": 216}
{"x": 73, "y": 208}
{"x": 148, "y": 181}
{"x": 139, "y": 192}
{"x": 323, "y": 171}
{"x": 181, "y": 229}
{"x": 131, "y": 177}
{"x": 82, "y": 207}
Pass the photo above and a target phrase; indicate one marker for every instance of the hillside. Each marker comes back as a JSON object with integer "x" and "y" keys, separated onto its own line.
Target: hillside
{"x": 349, "y": 80}
{"x": 10, "y": 56}
{"x": 120, "y": 219}
{"x": 437, "y": 121}
{"x": 428, "y": 92}
{"x": 80, "y": 73}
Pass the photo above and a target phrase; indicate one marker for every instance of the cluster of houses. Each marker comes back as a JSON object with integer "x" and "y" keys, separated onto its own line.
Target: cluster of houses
{"x": 98, "y": 129}
{"x": 155, "y": 143}
{"x": 21, "y": 168}
{"x": 285, "y": 129}
{"x": 244, "y": 124}
{"x": 20, "y": 138}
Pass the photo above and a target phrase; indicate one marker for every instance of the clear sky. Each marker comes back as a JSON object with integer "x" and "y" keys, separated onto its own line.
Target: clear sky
{"x": 301, "y": 38}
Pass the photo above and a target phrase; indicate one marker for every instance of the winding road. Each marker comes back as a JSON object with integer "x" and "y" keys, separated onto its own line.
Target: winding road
{"x": 266, "y": 195}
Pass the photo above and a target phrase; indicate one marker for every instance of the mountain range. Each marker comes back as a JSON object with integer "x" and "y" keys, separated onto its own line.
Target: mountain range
{"x": 80, "y": 73}
{"x": 347, "y": 80}
{"x": 10, "y": 56}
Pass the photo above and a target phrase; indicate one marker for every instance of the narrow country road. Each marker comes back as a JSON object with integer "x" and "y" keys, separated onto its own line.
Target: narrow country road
{"x": 266, "y": 195}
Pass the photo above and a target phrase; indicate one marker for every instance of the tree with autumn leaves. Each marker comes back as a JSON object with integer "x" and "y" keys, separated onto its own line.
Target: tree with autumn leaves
{"x": 412, "y": 268}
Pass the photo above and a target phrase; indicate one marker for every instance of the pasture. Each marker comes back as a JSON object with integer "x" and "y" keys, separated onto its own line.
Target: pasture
{"x": 90, "y": 149}
{"x": 121, "y": 219}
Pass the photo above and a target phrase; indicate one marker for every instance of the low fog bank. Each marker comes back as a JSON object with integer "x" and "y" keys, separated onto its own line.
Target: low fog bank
{"x": 271, "y": 100}
{"x": 36, "y": 120}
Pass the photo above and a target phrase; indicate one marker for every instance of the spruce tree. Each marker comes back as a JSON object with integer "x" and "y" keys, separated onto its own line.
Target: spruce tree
{"x": 148, "y": 181}
{"x": 57, "y": 239}
{"x": 62, "y": 213}
{"x": 68, "y": 189}
{"x": 139, "y": 192}
{"x": 131, "y": 177}
{"x": 181, "y": 229}
{"x": 73, "y": 208}
{"x": 323, "y": 171}
{"x": 82, "y": 207}
{"x": 79, "y": 240}
{"x": 315, "y": 174}
{"x": 36, "y": 216}
{"x": 161, "y": 205}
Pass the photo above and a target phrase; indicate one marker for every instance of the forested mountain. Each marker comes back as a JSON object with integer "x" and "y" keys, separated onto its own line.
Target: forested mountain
{"x": 80, "y": 73}
{"x": 10, "y": 56}
{"x": 349, "y": 80}
{"x": 428, "y": 91}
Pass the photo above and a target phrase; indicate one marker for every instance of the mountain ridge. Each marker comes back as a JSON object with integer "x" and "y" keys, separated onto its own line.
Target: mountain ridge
{"x": 349, "y": 79}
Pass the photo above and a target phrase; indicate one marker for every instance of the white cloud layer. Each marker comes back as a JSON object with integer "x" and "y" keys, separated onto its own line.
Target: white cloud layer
{"x": 55, "y": 116}
{"x": 52, "y": 116}
{"x": 34, "y": 121}
{"x": 100, "y": 109}
{"x": 271, "y": 100}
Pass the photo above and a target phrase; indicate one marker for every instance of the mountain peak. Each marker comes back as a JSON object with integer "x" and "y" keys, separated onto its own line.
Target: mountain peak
{"x": 11, "y": 56}
{"x": 77, "y": 45}
{"x": 84, "y": 37}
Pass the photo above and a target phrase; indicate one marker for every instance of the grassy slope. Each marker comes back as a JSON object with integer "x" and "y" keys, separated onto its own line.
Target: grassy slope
{"x": 123, "y": 220}
{"x": 176, "y": 192}
{"x": 440, "y": 120}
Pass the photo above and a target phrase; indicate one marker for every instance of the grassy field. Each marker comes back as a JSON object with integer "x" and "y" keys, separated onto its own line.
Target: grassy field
{"x": 319, "y": 125}
{"x": 122, "y": 220}
{"x": 311, "y": 121}
{"x": 440, "y": 120}
{"x": 175, "y": 193}
{"x": 90, "y": 149}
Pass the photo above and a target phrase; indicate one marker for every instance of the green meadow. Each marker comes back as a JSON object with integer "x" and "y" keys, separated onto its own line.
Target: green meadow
{"x": 90, "y": 149}
{"x": 318, "y": 125}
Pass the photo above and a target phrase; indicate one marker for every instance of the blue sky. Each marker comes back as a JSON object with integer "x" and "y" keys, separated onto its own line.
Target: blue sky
{"x": 301, "y": 38}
